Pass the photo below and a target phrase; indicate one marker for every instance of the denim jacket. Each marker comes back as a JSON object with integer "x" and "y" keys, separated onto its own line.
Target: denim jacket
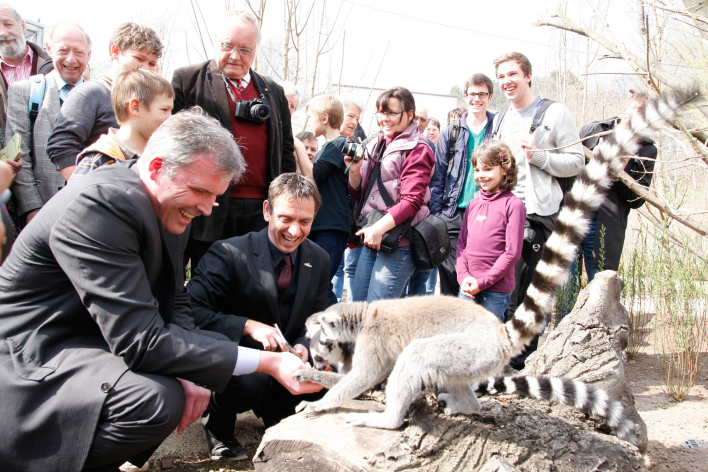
{"x": 446, "y": 189}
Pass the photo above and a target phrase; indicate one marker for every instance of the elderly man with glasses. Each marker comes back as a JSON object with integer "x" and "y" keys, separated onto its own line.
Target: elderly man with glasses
{"x": 254, "y": 109}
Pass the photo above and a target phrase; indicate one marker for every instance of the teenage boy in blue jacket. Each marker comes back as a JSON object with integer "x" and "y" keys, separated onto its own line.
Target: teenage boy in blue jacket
{"x": 453, "y": 184}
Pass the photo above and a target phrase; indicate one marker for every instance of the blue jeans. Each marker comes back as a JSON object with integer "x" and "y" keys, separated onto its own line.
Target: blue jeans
{"x": 334, "y": 242}
{"x": 569, "y": 292}
{"x": 344, "y": 277}
{"x": 418, "y": 283}
{"x": 338, "y": 279}
{"x": 495, "y": 302}
{"x": 381, "y": 275}
{"x": 432, "y": 282}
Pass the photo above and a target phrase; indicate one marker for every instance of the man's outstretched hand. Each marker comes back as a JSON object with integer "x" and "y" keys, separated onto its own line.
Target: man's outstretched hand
{"x": 280, "y": 366}
{"x": 196, "y": 401}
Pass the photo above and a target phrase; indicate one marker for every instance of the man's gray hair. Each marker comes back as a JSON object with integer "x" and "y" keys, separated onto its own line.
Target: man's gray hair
{"x": 349, "y": 99}
{"x": 67, "y": 26}
{"x": 290, "y": 89}
{"x": 191, "y": 133}
{"x": 7, "y": 6}
{"x": 241, "y": 17}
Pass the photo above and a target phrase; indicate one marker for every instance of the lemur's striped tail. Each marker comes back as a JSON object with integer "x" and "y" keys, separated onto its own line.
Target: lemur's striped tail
{"x": 584, "y": 198}
{"x": 592, "y": 401}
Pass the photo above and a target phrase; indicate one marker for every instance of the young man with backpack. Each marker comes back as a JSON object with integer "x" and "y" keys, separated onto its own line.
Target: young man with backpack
{"x": 545, "y": 142}
{"x": 453, "y": 184}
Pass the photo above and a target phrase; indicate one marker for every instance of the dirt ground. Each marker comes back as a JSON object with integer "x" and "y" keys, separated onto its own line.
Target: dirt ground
{"x": 668, "y": 425}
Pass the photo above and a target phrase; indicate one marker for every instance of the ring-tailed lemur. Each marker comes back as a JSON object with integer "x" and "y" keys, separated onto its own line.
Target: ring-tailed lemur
{"x": 590, "y": 400}
{"x": 451, "y": 344}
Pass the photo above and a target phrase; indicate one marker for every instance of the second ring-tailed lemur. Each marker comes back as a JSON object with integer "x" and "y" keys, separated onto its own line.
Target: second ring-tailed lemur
{"x": 451, "y": 344}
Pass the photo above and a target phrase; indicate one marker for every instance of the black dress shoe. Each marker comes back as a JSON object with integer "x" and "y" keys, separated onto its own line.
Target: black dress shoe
{"x": 224, "y": 449}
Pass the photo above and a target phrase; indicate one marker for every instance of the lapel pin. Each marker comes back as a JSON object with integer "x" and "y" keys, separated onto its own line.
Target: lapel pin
{"x": 307, "y": 264}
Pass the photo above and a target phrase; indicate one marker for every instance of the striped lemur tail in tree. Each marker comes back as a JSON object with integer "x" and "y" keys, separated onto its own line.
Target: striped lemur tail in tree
{"x": 452, "y": 344}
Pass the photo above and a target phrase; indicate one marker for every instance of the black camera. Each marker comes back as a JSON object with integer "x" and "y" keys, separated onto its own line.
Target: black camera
{"x": 353, "y": 150}
{"x": 252, "y": 110}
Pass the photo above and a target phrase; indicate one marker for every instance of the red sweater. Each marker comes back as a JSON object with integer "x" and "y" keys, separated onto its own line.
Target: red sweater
{"x": 252, "y": 139}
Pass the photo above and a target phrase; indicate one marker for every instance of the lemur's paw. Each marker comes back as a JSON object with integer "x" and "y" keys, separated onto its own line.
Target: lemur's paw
{"x": 304, "y": 375}
{"x": 372, "y": 419}
{"x": 454, "y": 407}
{"x": 310, "y": 408}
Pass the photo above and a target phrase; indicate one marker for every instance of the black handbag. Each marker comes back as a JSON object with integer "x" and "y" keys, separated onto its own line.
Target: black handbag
{"x": 430, "y": 243}
{"x": 390, "y": 239}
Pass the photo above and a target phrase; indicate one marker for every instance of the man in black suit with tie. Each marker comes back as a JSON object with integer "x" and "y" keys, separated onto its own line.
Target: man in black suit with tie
{"x": 246, "y": 285}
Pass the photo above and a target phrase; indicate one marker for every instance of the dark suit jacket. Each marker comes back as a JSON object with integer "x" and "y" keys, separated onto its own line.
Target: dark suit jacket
{"x": 235, "y": 281}
{"x": 202, "y": 85}
{"x": 87, "y": 293}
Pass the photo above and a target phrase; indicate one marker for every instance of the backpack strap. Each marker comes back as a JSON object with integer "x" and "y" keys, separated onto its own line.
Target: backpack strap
{"x": 495, "y": 130}
{"x": 37, "y": 86}
{"x": 539, "y": 113}
{"x": 451, "y": 142}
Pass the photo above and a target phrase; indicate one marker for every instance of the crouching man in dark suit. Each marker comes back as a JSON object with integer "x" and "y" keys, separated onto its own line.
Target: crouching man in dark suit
{"x": 246, "y": 285}
{"x": 100, "y": 359}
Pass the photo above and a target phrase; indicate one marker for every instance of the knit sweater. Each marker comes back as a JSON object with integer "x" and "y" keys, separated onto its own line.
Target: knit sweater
{"x": 490, "y": 241}
{"x": 537, "y": 187}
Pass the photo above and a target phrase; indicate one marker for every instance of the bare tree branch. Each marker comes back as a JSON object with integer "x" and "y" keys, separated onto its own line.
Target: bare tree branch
{"x": 686, "y": 13}
{"x": 649, "y": 197}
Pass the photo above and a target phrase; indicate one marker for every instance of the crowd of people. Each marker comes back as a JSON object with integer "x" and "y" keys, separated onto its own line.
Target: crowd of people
{"x": 127, "y": 183}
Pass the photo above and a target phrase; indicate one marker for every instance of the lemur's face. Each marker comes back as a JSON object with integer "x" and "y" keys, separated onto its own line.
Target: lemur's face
{"x": 325, "y": 352}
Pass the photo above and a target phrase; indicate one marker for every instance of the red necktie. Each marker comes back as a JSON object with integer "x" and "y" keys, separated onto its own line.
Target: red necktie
{"x": 286, "y": 275}
{"x": 239, "y": 85}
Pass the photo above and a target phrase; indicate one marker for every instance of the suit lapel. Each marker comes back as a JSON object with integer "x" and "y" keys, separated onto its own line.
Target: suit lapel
{"x": 51, "y": 99}
{"x": 266, "y": 274}
{"x": 304, "y": 275}
{"x": 218, "y": 90}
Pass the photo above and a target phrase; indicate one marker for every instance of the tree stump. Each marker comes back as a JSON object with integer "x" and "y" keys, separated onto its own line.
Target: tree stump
{"x": 588, "y": 345}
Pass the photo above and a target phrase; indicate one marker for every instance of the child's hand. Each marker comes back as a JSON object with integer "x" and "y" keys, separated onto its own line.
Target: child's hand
{"x": 469, "y": 287}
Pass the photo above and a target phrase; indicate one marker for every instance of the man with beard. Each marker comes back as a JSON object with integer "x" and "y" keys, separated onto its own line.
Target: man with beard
{"x": 19, "y": 59}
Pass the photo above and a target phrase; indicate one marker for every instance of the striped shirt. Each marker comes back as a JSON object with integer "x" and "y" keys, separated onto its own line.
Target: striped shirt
{"x": 21, "y": 71}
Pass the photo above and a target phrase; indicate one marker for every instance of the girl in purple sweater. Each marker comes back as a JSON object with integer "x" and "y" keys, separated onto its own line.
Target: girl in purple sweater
{"x": 492, "y": 233}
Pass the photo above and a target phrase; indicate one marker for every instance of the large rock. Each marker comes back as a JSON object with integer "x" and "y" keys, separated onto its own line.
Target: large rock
{"x": 588, "y": 345}
{"x": 528, "y": 434}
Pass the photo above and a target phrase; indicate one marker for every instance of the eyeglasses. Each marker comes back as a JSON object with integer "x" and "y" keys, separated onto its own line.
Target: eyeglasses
{"x": 476, "y": 94}
{"x": 388, "y": 114}
{"x": 245, "y": 52}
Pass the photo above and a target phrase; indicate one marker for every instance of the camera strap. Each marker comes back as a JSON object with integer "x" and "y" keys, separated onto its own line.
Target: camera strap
{"x": 228, "y": 88}
{"x": 228, "y": 84}
{"x": 375, "y": 172}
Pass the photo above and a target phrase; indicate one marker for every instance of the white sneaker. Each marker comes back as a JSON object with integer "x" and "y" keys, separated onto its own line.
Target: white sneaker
{"x": 128, "y": 467}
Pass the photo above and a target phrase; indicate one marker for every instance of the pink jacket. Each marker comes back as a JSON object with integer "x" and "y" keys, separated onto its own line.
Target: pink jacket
{"x": 407, "y": 168}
